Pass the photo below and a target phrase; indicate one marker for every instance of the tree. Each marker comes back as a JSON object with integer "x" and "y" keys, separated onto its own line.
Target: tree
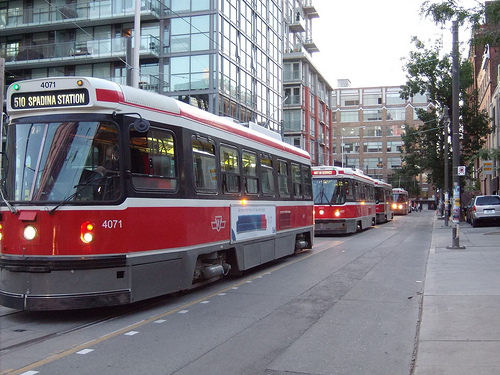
{"x": 429, "y": 72}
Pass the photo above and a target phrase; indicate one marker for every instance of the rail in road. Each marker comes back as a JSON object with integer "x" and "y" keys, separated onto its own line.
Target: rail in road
{"x": 349, "y": 306}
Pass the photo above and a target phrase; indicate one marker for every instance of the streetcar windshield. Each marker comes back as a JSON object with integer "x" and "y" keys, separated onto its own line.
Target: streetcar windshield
{"x": 61, "y": 161}
{"x": 400, "y": 198}
{"x": 328, "y": 191}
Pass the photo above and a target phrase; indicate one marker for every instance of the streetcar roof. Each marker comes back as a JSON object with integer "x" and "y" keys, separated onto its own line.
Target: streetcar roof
{"x": 333, "y": 171}
{"x": 107, "y": 95}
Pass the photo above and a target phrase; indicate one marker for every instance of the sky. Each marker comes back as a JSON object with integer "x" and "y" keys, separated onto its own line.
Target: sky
{"x": 364, "y": 40}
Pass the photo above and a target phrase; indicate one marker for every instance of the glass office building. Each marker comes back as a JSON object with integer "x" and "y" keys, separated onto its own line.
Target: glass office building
{"x": 224, "y": 56}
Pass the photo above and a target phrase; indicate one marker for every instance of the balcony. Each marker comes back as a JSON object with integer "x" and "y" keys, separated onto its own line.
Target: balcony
{"x": 101, "y": 50}
{"x": 85, "y": 14}
{"x": 309, "y": 10}
{"x": 296, "y": 24}
{"x": 310, "y": 46}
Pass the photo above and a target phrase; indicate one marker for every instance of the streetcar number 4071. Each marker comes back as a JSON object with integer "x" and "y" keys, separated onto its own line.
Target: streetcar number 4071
{"x": 111, "y": 224}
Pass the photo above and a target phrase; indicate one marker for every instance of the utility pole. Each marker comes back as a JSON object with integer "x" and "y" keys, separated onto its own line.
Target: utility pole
{"x": 446, "y": 120}
{"x": 137, "y": 44}
{"x": 455, "y": 140}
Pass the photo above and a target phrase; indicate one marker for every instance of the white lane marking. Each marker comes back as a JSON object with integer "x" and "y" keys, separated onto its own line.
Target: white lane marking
{"x": 131, "y": 333}
{"x": 183, "y": 311}
{"x": 85, "y": 351}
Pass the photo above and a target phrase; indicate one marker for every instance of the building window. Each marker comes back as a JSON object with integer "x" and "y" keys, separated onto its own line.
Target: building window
{"x": 372, "y": 131}
{"x": 292, "y": 121}
{"x": 351, "y": 162}
{"x": 394, "y": 146}
{"x": 392, "y": 97}
{"x": 372, "y": 147}
{"x": 372, "y": 115}
{"x": 349, "y": 116}
{"x": 395, "y": 114}
{"x": 393, "y": 163}
{"x": 291, "y": 71}
{"x": 372, "y": 163}
{"x": 351, "y": 147}
{"x": 312, "y": 126}
{"x": 351, "y": 132}
{"x": 349, "y": 98}
{"x": 394, "y": 130}
{"x": 372, "y": 97}
{"x": 292, "y": 95}
{"x": 419, "y": 98}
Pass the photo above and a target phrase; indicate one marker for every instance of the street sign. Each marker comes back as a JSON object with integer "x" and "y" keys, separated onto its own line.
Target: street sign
{"x": 487, "y": 166}
{"x": 461, "y": 170}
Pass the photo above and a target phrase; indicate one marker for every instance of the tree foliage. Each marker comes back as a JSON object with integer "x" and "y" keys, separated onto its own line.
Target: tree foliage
{"x": 429, "y": 71}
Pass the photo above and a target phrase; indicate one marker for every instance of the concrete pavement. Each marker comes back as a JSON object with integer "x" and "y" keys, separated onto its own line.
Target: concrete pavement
{"x": 460, "y": 325}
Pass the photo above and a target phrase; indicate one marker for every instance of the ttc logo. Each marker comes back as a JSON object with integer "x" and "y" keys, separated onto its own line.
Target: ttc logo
{"x": 218, "y": 223}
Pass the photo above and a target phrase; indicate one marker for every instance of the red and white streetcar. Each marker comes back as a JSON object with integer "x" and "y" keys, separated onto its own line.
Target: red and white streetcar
{"x": 344, "y": 200}
{"x": 113, "y": 195}
{"x": 400, "y": 201}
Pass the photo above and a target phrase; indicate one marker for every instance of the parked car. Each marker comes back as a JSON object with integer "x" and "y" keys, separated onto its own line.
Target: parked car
{"x": 485, "y": 208}
{"x": 468, "y": 210}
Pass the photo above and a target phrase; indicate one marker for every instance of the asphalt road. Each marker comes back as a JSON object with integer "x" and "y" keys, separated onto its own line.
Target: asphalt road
{"x": 349, "y": 306}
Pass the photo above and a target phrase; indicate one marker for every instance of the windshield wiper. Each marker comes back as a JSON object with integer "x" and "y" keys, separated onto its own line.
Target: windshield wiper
{"x": 92, "y": 180}
{"x": 12, "y": 209}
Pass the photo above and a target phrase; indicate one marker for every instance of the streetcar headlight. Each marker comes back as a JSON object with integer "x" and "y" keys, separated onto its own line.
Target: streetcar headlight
{"x": 400, "y": 206}
{"x": 321, "y": 212}
{"x": 87, "y": 232}
{"x": 29, "y": 233}
{"x": 0, "y": 232}
{"x": 394, "y": 206}
{"x": 337, "y": 213}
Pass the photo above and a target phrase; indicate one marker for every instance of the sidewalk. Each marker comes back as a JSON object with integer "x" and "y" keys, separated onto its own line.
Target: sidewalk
{"x": 460, "y": 327}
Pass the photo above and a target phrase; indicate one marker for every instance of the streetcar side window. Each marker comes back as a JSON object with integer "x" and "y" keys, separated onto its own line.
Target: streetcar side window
{"x": 153, "y": 160}
{"x": 230, "y": 170}
{"x": 249, "y": 164}
{"x": 307, "y": 181}
{"x": 349, "y": 190}
{"x": 283, "y": 179}
{"x": 204, "y": 166}
{"x": 267, "y": 175}
{"x": 296, "y": 181}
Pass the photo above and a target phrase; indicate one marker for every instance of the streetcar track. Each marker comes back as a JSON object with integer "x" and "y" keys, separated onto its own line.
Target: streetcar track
{"x": 148, "y": 304}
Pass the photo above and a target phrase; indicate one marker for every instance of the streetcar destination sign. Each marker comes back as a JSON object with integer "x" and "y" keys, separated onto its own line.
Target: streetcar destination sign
{"x": 66, "y": 98}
